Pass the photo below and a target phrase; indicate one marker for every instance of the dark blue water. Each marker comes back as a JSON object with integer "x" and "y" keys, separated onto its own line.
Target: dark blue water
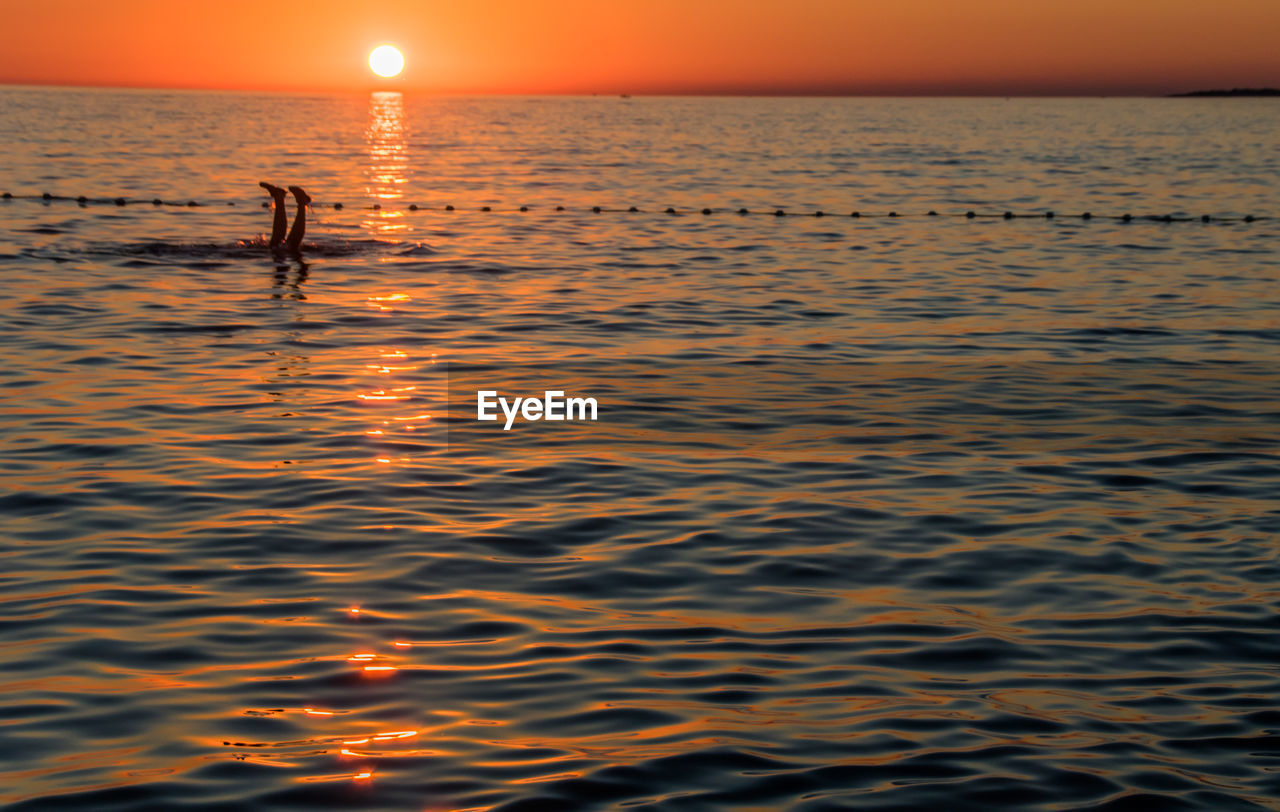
{"x": 886, "y": 514}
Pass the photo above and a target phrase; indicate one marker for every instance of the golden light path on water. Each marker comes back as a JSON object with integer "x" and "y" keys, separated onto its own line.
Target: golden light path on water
{"x": 395, "y": 384}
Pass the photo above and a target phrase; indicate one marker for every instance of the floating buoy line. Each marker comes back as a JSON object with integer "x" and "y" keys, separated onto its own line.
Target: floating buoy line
{"x": 83, "y": 200}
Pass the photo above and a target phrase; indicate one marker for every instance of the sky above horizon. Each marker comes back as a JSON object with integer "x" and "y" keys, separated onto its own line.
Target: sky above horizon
{"x": 912, "y": 47}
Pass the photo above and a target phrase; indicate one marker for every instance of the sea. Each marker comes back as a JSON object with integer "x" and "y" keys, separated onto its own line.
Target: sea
{"x": 880, "y": 509}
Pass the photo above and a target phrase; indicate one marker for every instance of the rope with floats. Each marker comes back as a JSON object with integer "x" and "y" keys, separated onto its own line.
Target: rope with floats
{"x": 971, "y": 214}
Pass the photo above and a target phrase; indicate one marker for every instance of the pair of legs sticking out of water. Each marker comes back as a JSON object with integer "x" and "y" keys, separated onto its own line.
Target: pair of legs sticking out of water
{"x": 293, "y": 241}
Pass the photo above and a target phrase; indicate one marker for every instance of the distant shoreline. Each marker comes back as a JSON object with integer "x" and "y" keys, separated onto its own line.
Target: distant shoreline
{"x": 1235, "y": 91}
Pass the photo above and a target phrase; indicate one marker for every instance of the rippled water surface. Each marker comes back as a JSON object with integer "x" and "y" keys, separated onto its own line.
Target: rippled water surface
{"x": 878, "y": 513}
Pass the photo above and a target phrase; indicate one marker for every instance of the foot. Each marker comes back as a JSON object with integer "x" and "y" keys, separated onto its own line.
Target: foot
{"x": 274, "y": 191}
{"x": 302, "y": 197}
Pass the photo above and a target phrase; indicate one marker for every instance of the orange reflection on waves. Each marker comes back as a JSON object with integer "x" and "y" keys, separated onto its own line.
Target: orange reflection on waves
{"x": 383, "y": 368}
{"x": 391, "y": 390}
{"x": 360, "y": 776}
{"x": 386, "y": 303}
{"x": 388, "y": 170}
{"x": 388, "y": 148}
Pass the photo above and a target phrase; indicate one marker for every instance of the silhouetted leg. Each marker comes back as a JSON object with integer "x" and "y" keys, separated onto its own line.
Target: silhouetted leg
{"x": 299, "y": 218}
{"x": 277, "y": 203}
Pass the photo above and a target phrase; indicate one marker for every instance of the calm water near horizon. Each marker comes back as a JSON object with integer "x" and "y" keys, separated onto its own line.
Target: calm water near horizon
{"x": 877, "y": 514}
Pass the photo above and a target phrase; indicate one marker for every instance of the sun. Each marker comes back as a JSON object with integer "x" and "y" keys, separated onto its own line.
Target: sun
{"x": 386, "y": 61}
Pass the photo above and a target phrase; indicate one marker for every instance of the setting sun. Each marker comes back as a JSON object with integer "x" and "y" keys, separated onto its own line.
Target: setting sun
{"x": 386, "y": 61}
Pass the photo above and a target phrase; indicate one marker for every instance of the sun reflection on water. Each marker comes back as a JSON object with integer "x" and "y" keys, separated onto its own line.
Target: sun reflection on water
{"x": 388, "y": 171}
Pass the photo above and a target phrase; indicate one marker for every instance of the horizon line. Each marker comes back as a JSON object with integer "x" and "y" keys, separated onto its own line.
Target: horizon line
{"x": 704, "y": 93}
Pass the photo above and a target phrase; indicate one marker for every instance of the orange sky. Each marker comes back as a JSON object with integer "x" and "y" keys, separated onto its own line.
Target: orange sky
{"x": 1001, "y": 47}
